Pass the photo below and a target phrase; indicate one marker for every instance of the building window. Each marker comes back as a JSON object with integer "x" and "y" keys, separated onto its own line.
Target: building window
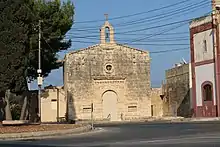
{"x": 132, "y": 108}
{"x": 109, "y": 67}
{"x": 87, "y": 109}
{"x": 152, "y": 110}
{"x": 207, "y": 91}
{"x": 204, "y": 45}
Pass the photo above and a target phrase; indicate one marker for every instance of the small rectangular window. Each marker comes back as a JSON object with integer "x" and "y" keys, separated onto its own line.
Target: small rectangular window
{"x": 53, "y": 100}
{"x": 87, "y": 110}
{"x": 204, "y": 46}
{"x": 132, "y": 108}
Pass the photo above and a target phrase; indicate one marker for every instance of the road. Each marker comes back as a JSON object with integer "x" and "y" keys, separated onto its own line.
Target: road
{"x": 205, "y": 134}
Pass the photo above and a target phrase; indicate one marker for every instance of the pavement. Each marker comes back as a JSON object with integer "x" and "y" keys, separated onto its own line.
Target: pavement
{"x": 193, "y": 134}
{"x": 44, "y": 134}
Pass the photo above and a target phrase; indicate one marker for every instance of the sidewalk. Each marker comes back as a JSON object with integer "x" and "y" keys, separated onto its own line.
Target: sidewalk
{"x": 44, "y": 134}
{"x": 202, "y": 119}
{"x": 156, "y": 120}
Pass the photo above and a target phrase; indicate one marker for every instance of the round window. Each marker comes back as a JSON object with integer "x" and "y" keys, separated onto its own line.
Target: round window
{"x": 108, "y": 67}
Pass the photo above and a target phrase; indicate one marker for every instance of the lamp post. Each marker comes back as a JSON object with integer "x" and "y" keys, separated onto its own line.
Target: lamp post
{"x": 39, "y": 72}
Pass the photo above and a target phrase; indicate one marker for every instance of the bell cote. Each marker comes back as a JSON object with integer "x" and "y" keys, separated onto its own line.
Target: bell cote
{"x": 107, "y": 32}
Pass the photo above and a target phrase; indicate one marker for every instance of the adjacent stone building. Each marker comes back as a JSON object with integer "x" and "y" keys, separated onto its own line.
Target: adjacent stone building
{"x": 115, "y": 78}
{"x": 177, "y": 91}
{"x": 157, "y": 105}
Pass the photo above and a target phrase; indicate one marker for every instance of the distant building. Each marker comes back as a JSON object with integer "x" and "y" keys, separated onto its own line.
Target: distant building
{"x": 204, "y": 63}
{"x": 53, "y": 104}
{"x": 115, "y": 78}
{"x": 157, "y": 108}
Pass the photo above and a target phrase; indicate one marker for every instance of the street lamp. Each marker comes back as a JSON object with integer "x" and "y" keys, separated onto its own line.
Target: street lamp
{"x": 39, "y": 72}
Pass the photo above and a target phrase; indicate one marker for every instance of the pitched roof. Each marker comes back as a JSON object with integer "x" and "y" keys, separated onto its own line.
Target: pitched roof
{"x": 100, "y": 45}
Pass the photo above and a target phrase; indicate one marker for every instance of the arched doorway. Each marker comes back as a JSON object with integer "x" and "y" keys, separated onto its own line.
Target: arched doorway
{"x": 208, "y": 100}
{"x": 110, "y": 105}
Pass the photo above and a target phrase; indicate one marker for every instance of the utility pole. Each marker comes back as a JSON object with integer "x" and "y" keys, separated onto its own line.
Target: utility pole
{"x": 39, "y": 71}
{"x": 215, "y": 20}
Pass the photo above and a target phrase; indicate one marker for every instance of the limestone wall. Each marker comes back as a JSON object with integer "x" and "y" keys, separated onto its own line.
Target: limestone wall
{"x": 156, "y": 102}
{"x": 90, "y": 72}
{"x": 53, "y": 104}
{"x": 177, "y": 91}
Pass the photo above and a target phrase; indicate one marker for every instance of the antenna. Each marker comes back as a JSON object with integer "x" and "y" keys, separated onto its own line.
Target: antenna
{"x": 184, "y": 61}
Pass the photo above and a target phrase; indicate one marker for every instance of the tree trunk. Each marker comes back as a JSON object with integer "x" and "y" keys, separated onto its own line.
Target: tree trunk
{"x": 2, "y": 106}
{"x": 7, "y": 108}
{"x": 1, "y": 115}
{"x": 24, "y": 109}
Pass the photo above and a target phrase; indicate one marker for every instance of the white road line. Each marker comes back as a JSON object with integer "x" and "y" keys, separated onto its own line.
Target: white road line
{"x": 208, "y": 139}
{"x": 197, "y": 138}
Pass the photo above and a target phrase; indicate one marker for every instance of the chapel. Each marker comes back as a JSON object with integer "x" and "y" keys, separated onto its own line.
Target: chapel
{"x": 109, "y": 80}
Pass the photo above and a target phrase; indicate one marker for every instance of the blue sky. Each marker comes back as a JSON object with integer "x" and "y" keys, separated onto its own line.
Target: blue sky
{"x": 144, "y": 31}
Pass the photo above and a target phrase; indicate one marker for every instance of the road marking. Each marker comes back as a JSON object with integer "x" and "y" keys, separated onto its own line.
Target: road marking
{"x": 200, "y": 139}
{"x": 197, "y": 138}
{"x": 145, "y": 142}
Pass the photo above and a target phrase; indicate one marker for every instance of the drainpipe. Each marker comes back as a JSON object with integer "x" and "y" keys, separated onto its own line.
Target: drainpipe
{"x": 217, "y": 65}
{"x": 216, "y": 57}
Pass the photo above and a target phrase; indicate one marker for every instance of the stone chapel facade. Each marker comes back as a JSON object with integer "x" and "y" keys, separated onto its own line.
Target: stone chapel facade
{"x": 109, "y": 78}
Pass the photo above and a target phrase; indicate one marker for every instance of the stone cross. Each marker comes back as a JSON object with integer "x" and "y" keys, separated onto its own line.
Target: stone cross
{"x": 106, "y": 17}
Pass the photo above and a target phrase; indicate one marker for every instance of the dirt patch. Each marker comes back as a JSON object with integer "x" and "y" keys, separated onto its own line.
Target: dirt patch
{"x": 37, "y": 128}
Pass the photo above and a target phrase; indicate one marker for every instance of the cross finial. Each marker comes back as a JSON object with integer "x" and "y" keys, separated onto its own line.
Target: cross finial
{"x": 106, "y": 17}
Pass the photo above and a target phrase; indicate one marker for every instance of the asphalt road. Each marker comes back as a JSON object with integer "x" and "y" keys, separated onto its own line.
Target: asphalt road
{"x": 206, "y": 134}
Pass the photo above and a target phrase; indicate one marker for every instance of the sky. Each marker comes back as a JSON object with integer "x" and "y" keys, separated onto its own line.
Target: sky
{"x": 158, "y": 26}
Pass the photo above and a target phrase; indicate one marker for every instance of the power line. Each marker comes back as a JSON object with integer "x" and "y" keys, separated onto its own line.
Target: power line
{"x": 139, "y": 30}
{"x": 148, "y": 19}
{"x": 156, "y": 34}
{"x": 95, "y": 37}
{"x": 128, "y": 53}
{"x": 131, "y": 15}
{"x": 163, "y": 44}
{"x": 140, "y": 39}
{"x": 135, "y": 34}
{"x": 147, "y": 37}
{"x": 153, "y": 27}
{"x": 127, "y": 39}
{"x": 168, "y": 51}
{"x": 151, "y": 52}
{"x": 179, "y": 10}
{"x": 168, "y": 17}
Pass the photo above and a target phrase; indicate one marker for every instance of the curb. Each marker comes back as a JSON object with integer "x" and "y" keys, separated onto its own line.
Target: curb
{"x": 162, "y": 120}
{"x": 43, "y": 134}
{"x": 194, "y": 120}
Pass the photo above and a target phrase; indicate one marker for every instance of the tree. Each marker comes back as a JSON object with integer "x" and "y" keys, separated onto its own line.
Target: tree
{"x": 57, "y": 20}
{"x": 13, "y": 45}
{"x": 13, "y": 48}
{"x": 19, "y": 39}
